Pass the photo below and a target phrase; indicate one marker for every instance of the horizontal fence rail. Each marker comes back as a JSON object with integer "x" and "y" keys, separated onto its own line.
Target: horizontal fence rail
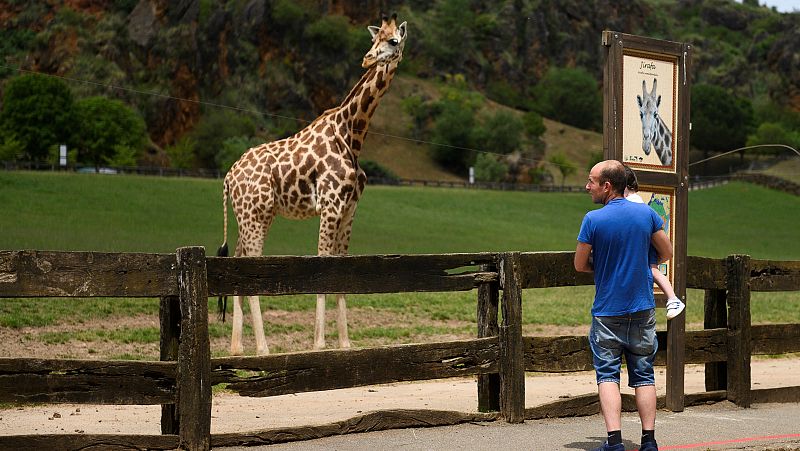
{"x": 499, "y": 356}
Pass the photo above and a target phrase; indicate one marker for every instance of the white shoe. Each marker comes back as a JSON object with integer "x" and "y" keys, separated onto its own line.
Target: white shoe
{"x": 674, "y": 307}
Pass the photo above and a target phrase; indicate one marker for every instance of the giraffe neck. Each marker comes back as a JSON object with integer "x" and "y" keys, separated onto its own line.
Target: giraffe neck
{"x": 358, "y": 107}
{"x": 662, "y": 142}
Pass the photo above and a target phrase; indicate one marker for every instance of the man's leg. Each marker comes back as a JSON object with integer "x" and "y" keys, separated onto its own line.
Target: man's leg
{"x": 646, "y": 405}
{"x": 611, "y": 405}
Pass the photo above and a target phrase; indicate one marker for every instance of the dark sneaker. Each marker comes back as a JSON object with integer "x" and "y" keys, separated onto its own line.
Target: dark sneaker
{"x": 649, "y": 446}
{"x": 607, "y": 447}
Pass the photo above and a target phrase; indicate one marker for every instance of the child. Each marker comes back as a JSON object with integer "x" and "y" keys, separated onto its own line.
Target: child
{"x": 674, "y": 305}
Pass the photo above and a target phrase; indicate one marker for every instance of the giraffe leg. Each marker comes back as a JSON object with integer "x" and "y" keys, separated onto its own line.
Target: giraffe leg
{"x": 329, "y": 221}
{"x": 342, "y": 246}
{"x": 258, "y": 325}
{"x": 341, "y": 321}
{"x": 319, "y": 323}
{"x": 236, "y": 337}
{"x": 253, "y": 227}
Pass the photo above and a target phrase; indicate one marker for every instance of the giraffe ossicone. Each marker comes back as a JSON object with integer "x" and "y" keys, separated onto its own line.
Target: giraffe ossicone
{"x": 312, "y": 173}
{"x": 655, "y": 132}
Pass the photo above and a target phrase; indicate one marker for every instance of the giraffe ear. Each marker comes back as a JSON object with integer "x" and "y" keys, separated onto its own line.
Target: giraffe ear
{"x": 644, "y": 88}
{"x": 373, "y": 30}
{"x": 402, "y": 30}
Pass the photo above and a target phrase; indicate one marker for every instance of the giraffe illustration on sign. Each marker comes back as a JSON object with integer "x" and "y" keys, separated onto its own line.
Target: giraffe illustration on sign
{"x": 312, "y": 173}
{"x": 654, "y": 130}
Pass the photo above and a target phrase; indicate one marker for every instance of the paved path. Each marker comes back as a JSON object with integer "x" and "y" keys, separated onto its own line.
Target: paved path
{"x": 721, "y": 426}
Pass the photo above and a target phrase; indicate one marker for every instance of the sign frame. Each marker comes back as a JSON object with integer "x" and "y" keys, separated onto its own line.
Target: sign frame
{"x": 623, "y": 129}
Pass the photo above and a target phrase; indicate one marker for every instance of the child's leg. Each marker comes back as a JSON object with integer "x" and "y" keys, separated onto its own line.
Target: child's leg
{"x": 662, "y": 282}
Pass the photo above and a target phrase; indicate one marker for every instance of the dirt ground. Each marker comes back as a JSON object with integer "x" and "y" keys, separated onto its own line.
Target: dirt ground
{"x": 232, "y": 413}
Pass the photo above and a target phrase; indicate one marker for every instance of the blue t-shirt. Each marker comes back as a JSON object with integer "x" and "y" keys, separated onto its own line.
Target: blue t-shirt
{"x": 620, "y": 234}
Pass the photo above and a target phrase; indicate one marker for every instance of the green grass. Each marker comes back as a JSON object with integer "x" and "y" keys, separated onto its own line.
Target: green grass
{"x": 148, "y": 214}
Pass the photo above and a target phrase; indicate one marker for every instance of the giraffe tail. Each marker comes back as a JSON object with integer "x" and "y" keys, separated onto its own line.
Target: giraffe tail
{"x": 222, "y": 301}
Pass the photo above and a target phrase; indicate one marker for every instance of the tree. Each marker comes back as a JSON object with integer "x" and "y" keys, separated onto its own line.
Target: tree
{"x": 501, "y": 133}
{"x": 534, "y": 124}
{"x": 108, "y": 132}
{"x": 772, "y": 133}
{"x": 38, "y": 113}
{"x": 720, "y": 121}
{"x": 564, "y": 166}
{"x": 489, "y": 169}
{"x": 570, "y": 96}
{"x": 214, "y": 128}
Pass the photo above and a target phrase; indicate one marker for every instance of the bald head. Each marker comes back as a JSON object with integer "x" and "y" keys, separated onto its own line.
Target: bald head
{"x": 612, "y": 171}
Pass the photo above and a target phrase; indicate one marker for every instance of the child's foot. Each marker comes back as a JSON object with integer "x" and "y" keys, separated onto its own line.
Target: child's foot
{"x": 674, "y": 307}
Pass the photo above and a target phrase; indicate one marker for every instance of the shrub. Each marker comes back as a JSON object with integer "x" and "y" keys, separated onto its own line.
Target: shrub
{"x": 375, "y": 170}
{"x": 489, "y": 169}
{"x": 232, "y": 149}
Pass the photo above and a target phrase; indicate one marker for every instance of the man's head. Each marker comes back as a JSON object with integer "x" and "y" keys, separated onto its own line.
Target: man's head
{"x": 606, "y": 181}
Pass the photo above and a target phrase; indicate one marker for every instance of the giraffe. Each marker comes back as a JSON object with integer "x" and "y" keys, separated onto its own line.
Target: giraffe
{"x": 312, "y": 173}
{"x": 654, "y": 130}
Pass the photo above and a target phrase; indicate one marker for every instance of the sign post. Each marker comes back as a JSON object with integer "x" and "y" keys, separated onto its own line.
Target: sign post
{"x": 646, "y": 126}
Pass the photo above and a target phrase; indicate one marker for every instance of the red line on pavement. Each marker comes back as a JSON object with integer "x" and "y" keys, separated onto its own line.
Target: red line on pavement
{"x": 725, "y": 442}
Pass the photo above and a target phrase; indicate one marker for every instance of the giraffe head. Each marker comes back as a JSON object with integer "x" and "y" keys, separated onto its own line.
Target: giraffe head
{"x": 648, "y": 111}
{"x": 387, "y": 43}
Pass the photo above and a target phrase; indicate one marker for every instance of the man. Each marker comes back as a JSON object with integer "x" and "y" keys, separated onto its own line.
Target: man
{"x": 613, "y": 243}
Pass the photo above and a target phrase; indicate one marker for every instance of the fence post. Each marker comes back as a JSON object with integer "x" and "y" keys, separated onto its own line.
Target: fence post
{"x": 512, "y": 365}
{"x": 194, "y": 356}
{"x": 170, "y": 320}
{"x": 739, "y": 332}
{"x": 488, "y": 302}
{"x": 716, "y": 316}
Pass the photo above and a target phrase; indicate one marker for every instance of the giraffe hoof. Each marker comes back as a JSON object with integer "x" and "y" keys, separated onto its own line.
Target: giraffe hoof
{"x": 237, "y": 350}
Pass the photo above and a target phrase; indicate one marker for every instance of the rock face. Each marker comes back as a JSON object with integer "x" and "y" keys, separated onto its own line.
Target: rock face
{"x": 263, "y": 54}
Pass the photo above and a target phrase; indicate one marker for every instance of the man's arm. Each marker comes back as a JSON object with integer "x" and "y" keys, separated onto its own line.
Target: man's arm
{"x": 663, "y": 246}
{"x": 582, "y": 255}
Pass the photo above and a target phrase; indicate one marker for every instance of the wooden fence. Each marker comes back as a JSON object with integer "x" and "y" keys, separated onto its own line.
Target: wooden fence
{"x": 499, "y": 356}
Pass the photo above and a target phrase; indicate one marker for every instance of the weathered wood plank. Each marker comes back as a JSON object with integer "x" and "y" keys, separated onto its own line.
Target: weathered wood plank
{"x": 343, "y": 368}
{"x": 739, "y": 330}
{"x": 557, "y": 354}
{"x": 716, "y": 316}
{"x": 86, "y": 274}
{"x": 768, "y": 275}
{"x": 346, "y": 274}
{"x": 82, "y": 442}
{"x": 780, "y": 394}
{"x": 488, "y": 305}
{"x": 194, "y": 353}
{"x": 169, "y": 314}
{"x": 566, "y": 354}
{"x": 550, "y": 269}
{"x": 512, "y": 365}
{"x": 24, "y": 381}
{"x": 775, "y": 338}
{"x": 369, "y": 422}
{"x": 705, "y": 273}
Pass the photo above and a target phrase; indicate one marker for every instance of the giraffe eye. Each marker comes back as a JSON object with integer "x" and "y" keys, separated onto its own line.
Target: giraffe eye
{"x": 393, "y": 41}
